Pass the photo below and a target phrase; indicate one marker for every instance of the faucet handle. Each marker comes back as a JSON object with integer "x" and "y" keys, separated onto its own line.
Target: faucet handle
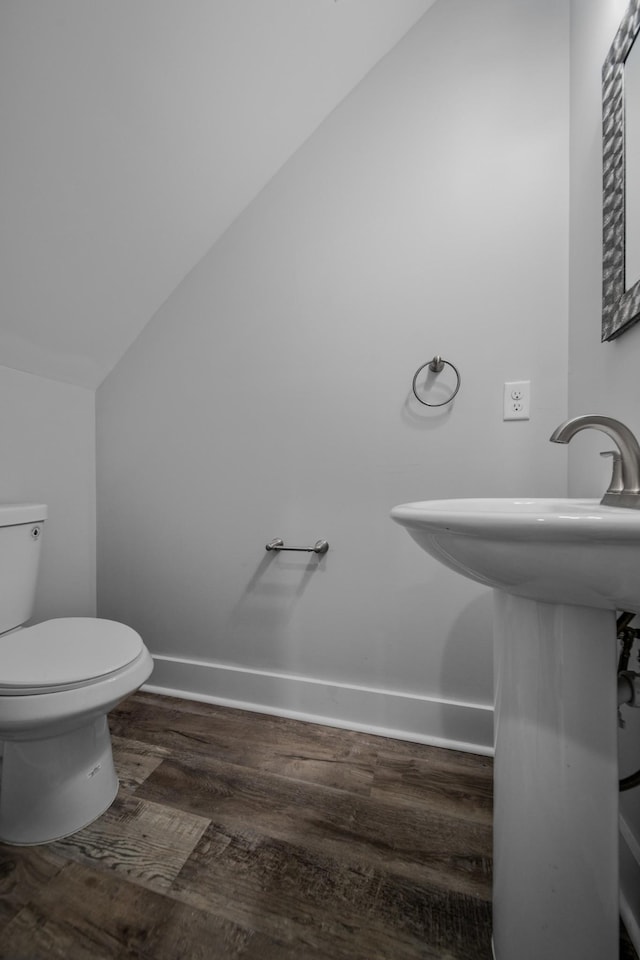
{"x": 616, "y": 485}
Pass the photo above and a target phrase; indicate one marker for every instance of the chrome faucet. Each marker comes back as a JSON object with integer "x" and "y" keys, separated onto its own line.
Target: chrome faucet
{"x": 624, "y": 489}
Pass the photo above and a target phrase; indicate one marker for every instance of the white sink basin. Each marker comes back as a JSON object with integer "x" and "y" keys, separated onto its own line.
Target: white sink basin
{"x": 558, "y": 551}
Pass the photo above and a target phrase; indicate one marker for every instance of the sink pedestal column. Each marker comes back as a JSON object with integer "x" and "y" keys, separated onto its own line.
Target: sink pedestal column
{"x": 556, "y": 782}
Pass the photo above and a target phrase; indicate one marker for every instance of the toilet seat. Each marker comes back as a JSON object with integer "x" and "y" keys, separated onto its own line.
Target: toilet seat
{"x": 63, "y": 654}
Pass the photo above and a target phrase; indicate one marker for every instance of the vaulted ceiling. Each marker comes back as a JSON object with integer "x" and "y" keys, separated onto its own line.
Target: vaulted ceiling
{"x": 133, "y": 133}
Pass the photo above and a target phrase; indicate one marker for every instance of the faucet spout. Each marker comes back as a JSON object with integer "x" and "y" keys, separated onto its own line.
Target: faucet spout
{"x": 624, "y": 490}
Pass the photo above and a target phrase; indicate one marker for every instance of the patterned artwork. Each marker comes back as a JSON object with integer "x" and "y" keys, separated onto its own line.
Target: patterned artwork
{"x": 620, "y": 307}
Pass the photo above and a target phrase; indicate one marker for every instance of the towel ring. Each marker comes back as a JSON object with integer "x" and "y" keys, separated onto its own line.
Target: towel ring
{"x": 436, "y": 365}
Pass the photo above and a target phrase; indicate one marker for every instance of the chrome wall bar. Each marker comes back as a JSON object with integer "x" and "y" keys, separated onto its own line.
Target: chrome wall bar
{"x": 320, "y": 546}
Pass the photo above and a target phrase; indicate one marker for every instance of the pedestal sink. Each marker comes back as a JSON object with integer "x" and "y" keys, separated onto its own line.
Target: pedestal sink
{"x": 560, "y": 570}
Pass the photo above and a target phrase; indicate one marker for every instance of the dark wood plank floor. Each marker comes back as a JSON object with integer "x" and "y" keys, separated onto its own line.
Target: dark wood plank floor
{"x": 240, "y": 835}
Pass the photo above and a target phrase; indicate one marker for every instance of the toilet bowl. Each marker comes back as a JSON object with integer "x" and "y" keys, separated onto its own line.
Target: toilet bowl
{"x": 58, "y": 680}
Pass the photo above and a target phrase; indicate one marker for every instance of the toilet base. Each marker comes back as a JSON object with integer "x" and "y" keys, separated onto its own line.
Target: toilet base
{"x": 54, "y": 787}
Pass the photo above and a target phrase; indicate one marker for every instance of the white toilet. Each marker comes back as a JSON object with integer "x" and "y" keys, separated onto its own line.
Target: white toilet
{"x": 58, "y": 680}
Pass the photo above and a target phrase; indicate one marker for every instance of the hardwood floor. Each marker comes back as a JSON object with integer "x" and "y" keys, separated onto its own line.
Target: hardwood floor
{"x": 240, "y": 835}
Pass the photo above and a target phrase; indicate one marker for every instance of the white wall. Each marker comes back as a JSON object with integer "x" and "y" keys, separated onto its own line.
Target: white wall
{"x": 270, "y": 396}
{"x": 48, "y": 456}
{"x": 133, "y": 135}
{"x": 603, "y": 378}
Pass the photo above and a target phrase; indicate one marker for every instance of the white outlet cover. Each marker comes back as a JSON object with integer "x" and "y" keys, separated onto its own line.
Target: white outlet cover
{"x": 516, "y": 400}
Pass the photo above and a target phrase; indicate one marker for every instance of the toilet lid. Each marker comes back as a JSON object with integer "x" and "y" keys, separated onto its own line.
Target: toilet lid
{"x": 65, "y": 652}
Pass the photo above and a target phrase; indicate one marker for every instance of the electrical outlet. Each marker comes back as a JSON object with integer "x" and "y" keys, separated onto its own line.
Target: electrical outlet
{"x": 517, "y": 400}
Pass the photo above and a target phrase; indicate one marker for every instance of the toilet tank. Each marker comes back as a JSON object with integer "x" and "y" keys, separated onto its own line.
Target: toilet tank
{"x": 21, "y": 527}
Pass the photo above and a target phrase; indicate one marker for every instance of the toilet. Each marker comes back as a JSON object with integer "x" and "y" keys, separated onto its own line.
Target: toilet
{"x": 58, "y": 681}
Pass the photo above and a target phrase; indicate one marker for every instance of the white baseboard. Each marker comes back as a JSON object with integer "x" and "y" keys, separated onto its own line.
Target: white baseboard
{"x": 388, "y": 713}
{"x": 630, "y": 882}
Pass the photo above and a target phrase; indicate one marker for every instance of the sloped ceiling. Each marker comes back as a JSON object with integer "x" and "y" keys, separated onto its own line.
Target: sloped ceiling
{"x": 133, "y": 133}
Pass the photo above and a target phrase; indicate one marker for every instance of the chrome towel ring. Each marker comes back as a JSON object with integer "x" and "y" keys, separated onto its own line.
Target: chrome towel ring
{"x": 436, "y": 365}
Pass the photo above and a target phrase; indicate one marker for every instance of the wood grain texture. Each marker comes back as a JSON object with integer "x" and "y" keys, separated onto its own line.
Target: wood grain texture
{"x": 22, "y": 871}
{"x": 95, "y": 915}
{"x": 314, "y": 900}
{"x": 415, "y": 842}
{"x": 240, "y": 836}
{"x": 147, "y": 842}
{"x": 134, "y": 761}
{"x": 302, "y": 751}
